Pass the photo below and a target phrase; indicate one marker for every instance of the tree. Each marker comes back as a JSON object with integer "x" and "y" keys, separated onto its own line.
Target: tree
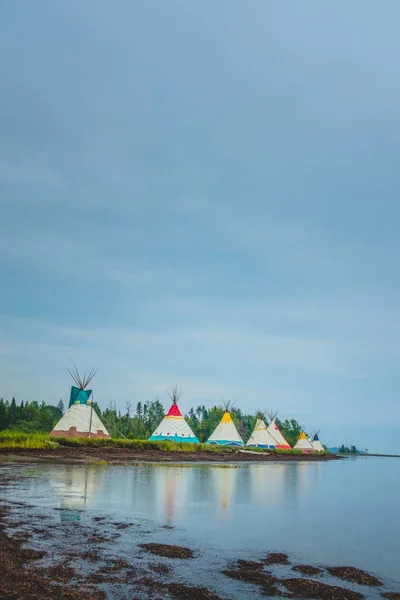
{"x": 154, "y": 414}
{"x": 193, "y": 419}
{"x": 139, "y": 411}
{"x": 128, "y": 407}
{"x": 60, "y": 406}
{"x": 290, "y": 429}
{"x": 348, "y": 449}
{"x": 12, "y": 412}
{"x": 3, "y": 415}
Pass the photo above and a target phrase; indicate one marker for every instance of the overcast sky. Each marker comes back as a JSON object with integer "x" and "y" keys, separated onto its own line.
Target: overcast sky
{"x": 204, "y": 192}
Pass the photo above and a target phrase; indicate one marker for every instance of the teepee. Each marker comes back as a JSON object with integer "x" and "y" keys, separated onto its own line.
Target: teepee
{"x": 303, "y": 443}
{"x": 174, "y": 427}
{"x": 226, "y": 434}
{"x": 275, "y": 432}
{"x": 80, "y": 420}
{"x": 316, "y": 443}
{"x": 261, "y": 438}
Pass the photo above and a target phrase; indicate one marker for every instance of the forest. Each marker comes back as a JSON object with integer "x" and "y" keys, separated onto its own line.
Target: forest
{"x": 133, "y": 423}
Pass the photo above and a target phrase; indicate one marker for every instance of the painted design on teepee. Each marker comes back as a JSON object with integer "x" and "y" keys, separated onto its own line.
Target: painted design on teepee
{"x": 261, "y": 438}
{"x": 226, "y": 434}
{"x": 275, "y": 432}
{"x": 303, "y": 443}
{"x": 316, "y": 443}
{"x": 174, "y": 427}
{"x": 80, "y": 420}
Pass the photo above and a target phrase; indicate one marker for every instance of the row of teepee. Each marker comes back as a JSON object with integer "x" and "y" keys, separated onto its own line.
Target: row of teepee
{"x": 81, "y": 420}
{"x": 175, "y": 428}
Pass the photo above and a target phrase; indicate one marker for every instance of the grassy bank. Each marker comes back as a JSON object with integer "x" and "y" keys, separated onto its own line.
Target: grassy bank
{"x": 34, "y": 441}
{"x": 16, "y": 440}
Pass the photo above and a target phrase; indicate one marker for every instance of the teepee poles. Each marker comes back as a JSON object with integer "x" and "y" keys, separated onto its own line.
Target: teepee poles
{"x": 81, "y": 382}
{"x": 175, "y": 394}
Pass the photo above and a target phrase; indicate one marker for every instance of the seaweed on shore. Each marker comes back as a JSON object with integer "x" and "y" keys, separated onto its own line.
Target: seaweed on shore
{"x": 140, "y": 575}
{"x": 276, "y": 558}
{"x": 307, "y": 569}
{"x": 61, "y": 573}
{"x": 354, "y": 576}
{"x": 253, "y": 572}
{"x": 20, "y": 581}
{"x": 308, "y": 588}
{"x": 168, "y": 550}
{"x": 160, "y": 568}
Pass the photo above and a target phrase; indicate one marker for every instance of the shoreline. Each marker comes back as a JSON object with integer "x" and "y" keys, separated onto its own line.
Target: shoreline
{"x": 38, "y": 560}
{"x": 113, "y": 455}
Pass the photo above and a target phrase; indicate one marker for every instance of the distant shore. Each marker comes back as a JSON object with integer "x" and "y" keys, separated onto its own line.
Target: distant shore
{"x": 373, "y": 454}
{"x": 115, "y": 455}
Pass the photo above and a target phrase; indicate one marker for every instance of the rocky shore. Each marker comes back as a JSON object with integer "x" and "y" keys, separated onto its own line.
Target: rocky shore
{"x": 46, "y": 555}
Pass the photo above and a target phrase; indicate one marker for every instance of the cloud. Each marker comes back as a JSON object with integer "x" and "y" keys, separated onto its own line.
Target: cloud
{"x": 192, "y": 208}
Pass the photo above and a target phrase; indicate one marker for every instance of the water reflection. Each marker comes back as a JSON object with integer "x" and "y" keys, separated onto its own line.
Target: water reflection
{"x": 224, "y": 480}
{"x": 170, "y": 491}
{"x": 76, "y": 488}
{"x": 267, "y": 485}
{"x": 303, "y": 508}
{"x": 167, "y": 491}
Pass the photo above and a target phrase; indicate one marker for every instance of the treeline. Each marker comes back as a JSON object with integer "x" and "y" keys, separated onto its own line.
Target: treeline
{"x": 348, "y": 450}
{"x": 31, "y": 417}
{"x": 138, "y": 423}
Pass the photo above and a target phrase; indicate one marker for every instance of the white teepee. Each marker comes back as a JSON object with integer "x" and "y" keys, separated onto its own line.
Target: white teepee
{"x": 303, "y": 443}
{"x": 80, "y": 420}
{"x": 275, "y": 432}
{"x": 261, "y": 436}
{"x": 316, "y": 443}
{"x": 174, "y": 426}
{"x": 226, "y": 434}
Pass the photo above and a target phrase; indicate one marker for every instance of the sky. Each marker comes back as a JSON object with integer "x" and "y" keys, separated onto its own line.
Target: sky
{"x": 204, "y": 193}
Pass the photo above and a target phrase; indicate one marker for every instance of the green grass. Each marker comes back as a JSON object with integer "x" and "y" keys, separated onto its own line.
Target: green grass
{"x": 10, "y": 440}
{"x": 15, "y": 439}
{"x": 141, "y": 445}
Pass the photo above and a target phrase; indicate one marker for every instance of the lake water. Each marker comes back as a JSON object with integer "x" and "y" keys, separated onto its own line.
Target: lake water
{"x": 332, "y": 513}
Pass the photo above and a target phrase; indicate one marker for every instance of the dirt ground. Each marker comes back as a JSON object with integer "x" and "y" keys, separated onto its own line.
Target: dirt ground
{"x": 126, "y": 455}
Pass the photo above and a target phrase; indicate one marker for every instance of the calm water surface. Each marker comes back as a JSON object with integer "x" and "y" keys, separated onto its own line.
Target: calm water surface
{"x": 339, "y": 512}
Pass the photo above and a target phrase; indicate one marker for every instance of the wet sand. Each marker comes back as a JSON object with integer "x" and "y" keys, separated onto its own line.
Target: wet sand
{"x": 116, "y": 456}
{"x": 43, "y": 556}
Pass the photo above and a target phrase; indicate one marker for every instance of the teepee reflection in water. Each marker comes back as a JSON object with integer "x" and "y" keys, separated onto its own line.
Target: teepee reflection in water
{"x": 225, "y": 478}
{"x": 171, "y": 491}
{"x": 267, "y": 484}
{"x": 75, "y": 486}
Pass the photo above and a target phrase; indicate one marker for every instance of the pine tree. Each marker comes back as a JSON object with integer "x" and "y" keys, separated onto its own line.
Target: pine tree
{"x": 3, "y": 415}
{"x": 139, "y": 411}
